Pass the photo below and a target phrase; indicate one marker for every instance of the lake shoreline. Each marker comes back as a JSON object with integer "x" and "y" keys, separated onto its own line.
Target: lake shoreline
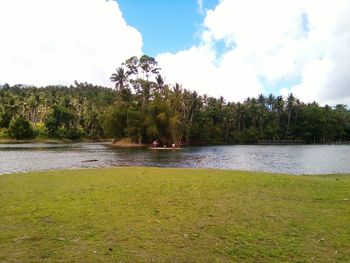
{"x": 123, "y": 143}
{"x": 177, "y": 168}
{"x": 127, "y": 143}
{"x": 50, "y": 141}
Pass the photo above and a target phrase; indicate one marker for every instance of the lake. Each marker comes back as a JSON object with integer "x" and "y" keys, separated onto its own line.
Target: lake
{"x": 298, "y": 159}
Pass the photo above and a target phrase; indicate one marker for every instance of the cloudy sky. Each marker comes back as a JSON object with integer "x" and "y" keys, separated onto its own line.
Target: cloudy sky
{"x": 234, "y": 48}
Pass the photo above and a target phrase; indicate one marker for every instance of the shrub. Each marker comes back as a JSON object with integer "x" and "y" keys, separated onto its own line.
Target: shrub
{"x": 40, "y": 130}
{"x": 3, "y": 133}
{"x": 51, "y": 127}
{"x": 20, "y": 128}
{"x": 74, "y": 133}
{"x": 71, "y": 133}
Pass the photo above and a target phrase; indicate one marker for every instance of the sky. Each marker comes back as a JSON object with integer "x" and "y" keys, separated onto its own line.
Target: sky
{"x": 166, "y": 25}
{"x": 233, "y": 48}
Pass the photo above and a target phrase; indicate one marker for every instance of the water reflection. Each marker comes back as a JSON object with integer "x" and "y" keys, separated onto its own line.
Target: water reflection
{"x": 285, "y": 159}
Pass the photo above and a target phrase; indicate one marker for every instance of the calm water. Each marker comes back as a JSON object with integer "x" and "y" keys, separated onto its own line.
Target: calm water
{"x": 308, "y": 159}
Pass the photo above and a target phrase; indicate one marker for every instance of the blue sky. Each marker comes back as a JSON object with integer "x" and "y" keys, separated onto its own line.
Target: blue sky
{"x": 174, "y": 25}
{"x": 165, "y": 25}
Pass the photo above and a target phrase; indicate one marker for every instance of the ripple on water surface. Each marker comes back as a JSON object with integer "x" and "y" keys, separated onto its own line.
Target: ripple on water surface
{"x": 300, "y": 159}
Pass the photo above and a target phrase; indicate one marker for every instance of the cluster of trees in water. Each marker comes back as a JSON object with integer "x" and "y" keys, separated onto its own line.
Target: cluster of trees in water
{"x": 143, "y": 107}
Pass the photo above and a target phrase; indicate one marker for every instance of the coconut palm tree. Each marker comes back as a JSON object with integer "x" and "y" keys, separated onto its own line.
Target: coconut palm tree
{"x": 160, "y": 83}
{"x": 120, "y": 78}
{"x": 290, "y": 107}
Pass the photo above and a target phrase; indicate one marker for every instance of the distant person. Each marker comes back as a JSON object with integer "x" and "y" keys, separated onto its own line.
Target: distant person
{"x": 155, "y": 143}
{"x": 173, "y": 145}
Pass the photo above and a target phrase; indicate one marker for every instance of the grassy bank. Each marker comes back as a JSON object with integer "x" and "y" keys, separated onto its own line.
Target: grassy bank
{"x": 173, "y": 215}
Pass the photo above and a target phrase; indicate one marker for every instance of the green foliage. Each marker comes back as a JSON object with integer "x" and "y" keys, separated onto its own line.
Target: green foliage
{"x": 70, "y": 133}
{"x": 76, "y": 109}
{"x": 115, "y": 121}
{"x": 143, "y": 108}
{"x": 3, "y": 133}
{"x": 250, "y": 135}
{"x": 52, "y": 127}
{"x": 40, "y": 130}
{"x": 59, "y": 122}
{"x": 5, "y": 120}
{"x": 20, "y": 128}
{"x": 172, "y": 114}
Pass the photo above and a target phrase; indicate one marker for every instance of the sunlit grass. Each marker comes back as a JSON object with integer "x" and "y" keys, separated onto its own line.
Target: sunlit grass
{"x": 173, "y": 215}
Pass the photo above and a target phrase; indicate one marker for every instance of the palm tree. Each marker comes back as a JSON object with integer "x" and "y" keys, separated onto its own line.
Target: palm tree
{"x": 240, "y": 116}
{"x": 262, "y": 112}
{"x": 279, "y": 105}
{"x": 159, "y": 84}
{"x": 177, "y": 97}
{"x": 270, "y": 101}
{"x": 261, "y": 99}
{"x": 290, "y": 107}
{"x": 221, "y": 102}
{"x": 120, "y": 78}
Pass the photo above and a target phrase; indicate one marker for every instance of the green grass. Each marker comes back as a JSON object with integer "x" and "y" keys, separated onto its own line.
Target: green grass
{"x": 173, "y": 215}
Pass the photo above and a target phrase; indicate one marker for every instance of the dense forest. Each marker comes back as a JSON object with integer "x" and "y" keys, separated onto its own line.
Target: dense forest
{"x": 143, "y": 107}
{"x": 54, "y": 112}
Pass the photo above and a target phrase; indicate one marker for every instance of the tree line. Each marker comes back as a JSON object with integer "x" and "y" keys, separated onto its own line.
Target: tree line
{"x": 143, "y": 107}
{"x": 54, "y": 112}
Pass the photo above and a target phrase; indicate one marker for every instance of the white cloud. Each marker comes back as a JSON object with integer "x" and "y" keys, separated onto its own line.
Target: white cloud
{"x": 272, "y": 40}
{"x": 58, "y": 41}
{"x": 197, "y": 69}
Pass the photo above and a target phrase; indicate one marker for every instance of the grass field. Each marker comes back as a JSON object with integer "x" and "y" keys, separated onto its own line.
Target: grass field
{"x": 173, "y": 215}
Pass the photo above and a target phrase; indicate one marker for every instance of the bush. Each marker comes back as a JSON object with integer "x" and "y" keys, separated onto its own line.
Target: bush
{"x": 71, "y": 133}
{"x": 40, "y": 130}
{"x": 51, "y": 127}
{"x": 74, "y": 134}
{"x": 5, "y": 120}
{"x": 3, "y": 133}
{"x": 20, "y": 128}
